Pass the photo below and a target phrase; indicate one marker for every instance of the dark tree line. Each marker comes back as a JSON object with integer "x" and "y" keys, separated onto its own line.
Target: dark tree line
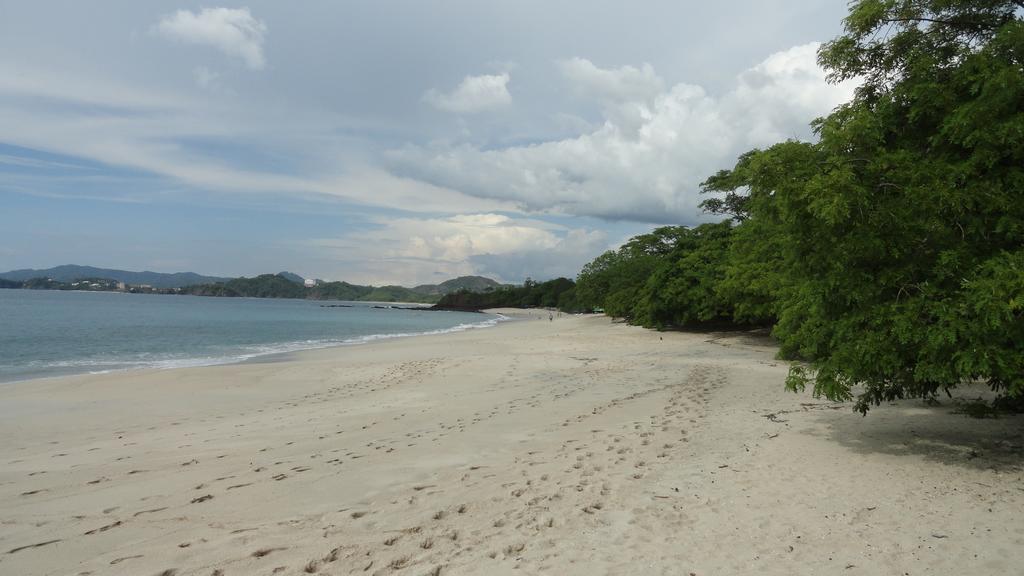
{"x": 558, "y": 293}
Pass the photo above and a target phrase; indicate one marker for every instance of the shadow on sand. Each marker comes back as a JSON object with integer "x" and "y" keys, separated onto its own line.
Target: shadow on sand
{"x": 936, "y": 433}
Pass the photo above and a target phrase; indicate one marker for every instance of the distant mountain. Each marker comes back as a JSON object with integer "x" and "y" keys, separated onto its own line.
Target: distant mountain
{"x": 262, "y": 286}
{"x": 71, "y": 272}
{"x": 280, "y": 285}
{"x": 470, "y": 283}
{"x": 288, "y": 285}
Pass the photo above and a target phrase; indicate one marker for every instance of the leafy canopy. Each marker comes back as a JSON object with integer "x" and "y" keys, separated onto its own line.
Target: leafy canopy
{"x": 900, "y": 232}
{"x": 889, "y": 254}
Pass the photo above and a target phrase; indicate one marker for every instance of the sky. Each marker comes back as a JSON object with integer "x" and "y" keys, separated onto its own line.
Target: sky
{"x": 384, "y": 142}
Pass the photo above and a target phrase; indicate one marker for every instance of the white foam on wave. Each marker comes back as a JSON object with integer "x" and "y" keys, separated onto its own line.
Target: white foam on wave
{"x": 109, "y": 365}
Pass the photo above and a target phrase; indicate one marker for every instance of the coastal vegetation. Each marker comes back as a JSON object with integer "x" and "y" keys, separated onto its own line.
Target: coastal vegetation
{"x": 558, "y": 293}
{"x": 280, "y": 285}
{"x": 71, "y": 272}
{"x": 889, "y": 254}
{"x": 86, "y": 284}
{"x": 262, "y": 286}
{"x": 468, "y": 283}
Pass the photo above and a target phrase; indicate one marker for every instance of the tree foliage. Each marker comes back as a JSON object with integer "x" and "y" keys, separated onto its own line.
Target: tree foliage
{"x": 889, "y": 253}
{"x": 558, "y": 293}
{"x": 674, "y": 276}
{"x": 907, "y": 239}
{"x": 613, "y": 280}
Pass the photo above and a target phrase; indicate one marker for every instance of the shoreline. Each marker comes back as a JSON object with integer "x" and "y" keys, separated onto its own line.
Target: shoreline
{"x": 575, "y": 446}
{"x": 271, "y": 356}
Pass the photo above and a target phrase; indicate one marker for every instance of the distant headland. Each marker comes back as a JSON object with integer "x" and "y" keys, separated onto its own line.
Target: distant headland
{"x": 462, "y": 293}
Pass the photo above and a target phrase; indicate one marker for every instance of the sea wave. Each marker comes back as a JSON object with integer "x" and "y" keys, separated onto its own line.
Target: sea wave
{"x": 105, "y": 365}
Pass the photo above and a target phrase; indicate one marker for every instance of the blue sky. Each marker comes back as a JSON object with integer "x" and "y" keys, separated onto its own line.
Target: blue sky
{"x": 383, "y": 142}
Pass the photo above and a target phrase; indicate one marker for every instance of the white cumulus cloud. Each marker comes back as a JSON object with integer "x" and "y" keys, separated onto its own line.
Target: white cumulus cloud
{"x": 425, "y": 250}
{"x": 473, "y": 94}
{"x": 624, "y": 83}
{"x": 233, "y": 31}
{"x": 644, "y": 162}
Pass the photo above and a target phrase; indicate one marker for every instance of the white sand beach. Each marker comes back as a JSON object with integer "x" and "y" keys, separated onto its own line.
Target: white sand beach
{"x": 572, "y": 446}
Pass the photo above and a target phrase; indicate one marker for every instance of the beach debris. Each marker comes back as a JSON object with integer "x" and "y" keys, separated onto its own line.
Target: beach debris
{"x": 39, "y": 545}
{"x": 103, "y": 528}
{"x": 262, "y": 552}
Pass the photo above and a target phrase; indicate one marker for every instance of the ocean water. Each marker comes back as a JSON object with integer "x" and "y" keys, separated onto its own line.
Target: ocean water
{"x": 48, "y": 333}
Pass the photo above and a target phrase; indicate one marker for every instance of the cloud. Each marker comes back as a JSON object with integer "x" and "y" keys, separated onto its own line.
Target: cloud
{"x": 420, "y": 250}
{"x": 565, "y": 258}
{"x": 38, "y": 163}
{"x": 473, "y": 94}
{"x": 36, "y": 87}
{"x": 233, "y": 31}
{"x": 146, "y": 130}
{"x": 617, "y": 84}
{"x": 206, "y": 78}
{"x": 645, "y": 161}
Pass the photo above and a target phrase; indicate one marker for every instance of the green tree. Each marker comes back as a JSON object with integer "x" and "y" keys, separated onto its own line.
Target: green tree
{"x": 682, "y": 290}
{"x": 613, "y": 280}
{"x": 754, "y": 280}
{"x": 901, "y": 232}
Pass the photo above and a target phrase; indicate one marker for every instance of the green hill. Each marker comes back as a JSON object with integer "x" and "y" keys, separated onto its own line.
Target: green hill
{"x": 280, "y": 285}
{"x": 72, "y": 272}
{"x": 262, "y": 286}
{"x": 467, "y": 283}
{"x": 399, "y": 294}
